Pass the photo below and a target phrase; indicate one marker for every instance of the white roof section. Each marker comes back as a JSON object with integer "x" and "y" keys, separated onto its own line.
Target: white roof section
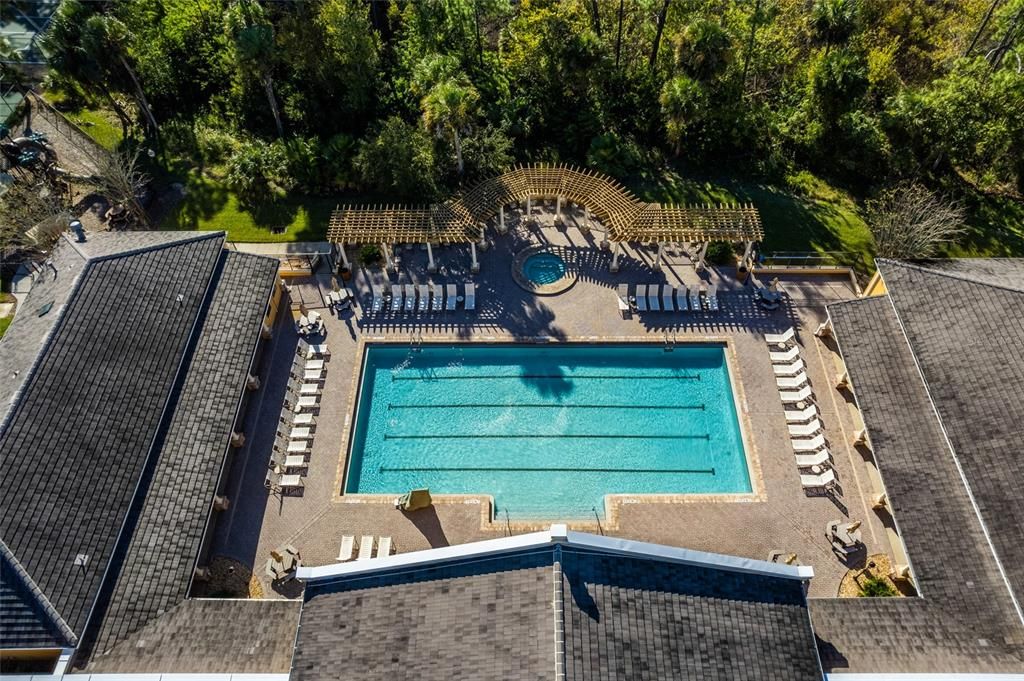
{"x": 556, "y": 535}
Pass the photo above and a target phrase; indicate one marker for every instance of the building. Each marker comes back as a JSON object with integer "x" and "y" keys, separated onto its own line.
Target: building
{"x": 123, "y": 378}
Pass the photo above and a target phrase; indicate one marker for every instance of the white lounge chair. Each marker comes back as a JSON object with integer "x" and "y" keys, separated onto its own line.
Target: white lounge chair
{"x": 805, "y": 429}
{"x": 348, "y": 543}
{"x": 683, "y": 299}
{"x": 365, "y": 547}
{"x": 802, "y": 415}
{"x": 815, "y": 459}
{"x": 378, "y": 298}
{"x": 712, "y": 298}
{"x": 309, "y": 389}
{"x": 792, "y": 381}
{"x": 668, "y": 296}
{"x": 623, "y": 299}
{"x": 826, "y": 480}
{"x": 306, "y": 419}
{"x": 785, "y": 357}
{"x": 780, "y": 338}
{"x": 300, "y": 433}
{"x": 307, "y": 402}
{"x": 298, "y": 446}
{"x": 424, "y": 294}
{"x": 396, "y": 298}
{"x": 653, "y": 300}
{"x": 788, "y": 369}
{"x": 314, "y": 350}
{"x": 641, "y": 297}
{"x": 794, "y": 396}
{"x": 695, "y": 300}
{"x": 469, "y": 302}
{"x": 451, "y": 299}
{"x": 436, "y": 297}
{"x": 410, "y": 297}
{"x": 313, "y": 375}
{"x": 814, "y": 444}
{"x": 290, "y": 481}
{"x": 383, "y": 547}
{"x": 296, "y": 461}
{"x": 313, "y": 365}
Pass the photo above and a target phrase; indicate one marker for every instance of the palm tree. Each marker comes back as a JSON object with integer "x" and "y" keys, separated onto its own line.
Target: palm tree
{"x": 107, "y": 38}
{"x": 449, "y": 107}
{"x": 253, "y": 38}
{"x": 833, "y": 21}
{"x": 69, "y": 56}
{"x": 681, "y": 101}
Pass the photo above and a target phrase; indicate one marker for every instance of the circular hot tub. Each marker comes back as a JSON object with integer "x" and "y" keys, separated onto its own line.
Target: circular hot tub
{"x": 542, "y": 270}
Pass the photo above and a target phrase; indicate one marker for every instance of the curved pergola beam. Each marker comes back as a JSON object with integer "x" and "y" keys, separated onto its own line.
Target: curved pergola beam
{"x": 461, "y": 218}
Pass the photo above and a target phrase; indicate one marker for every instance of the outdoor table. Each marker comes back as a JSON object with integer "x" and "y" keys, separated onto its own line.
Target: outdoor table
{"x": 845, "y": 537}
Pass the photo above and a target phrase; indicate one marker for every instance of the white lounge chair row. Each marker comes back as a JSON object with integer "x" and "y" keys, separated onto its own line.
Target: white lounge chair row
{"x": 366, "y": 545}
{"x": 668, "y": 298}
{"x": 422, "y": 298}
{"x": 296, "y": 427}
{"x": 805, "y": 429}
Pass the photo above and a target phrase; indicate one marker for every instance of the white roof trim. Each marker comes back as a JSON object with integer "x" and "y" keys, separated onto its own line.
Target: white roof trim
{"x": 558, "y": 534}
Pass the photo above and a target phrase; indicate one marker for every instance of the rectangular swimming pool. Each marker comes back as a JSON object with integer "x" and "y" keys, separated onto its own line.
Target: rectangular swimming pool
{"x": 548, "y": 430}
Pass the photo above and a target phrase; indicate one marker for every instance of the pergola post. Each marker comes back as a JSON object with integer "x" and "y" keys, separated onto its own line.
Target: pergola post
{"x": 501, "y": 220}
{"x": 657, "y": 257}
{"x": 614, "y": 267}
{"x": 529, "y": 208}
{"x": 558, "y": 209}
{"x": 344, "y": 257}
{"x": 474, "y": 265}
{"x": 387, "y": 257}
{"x": 747, "y": 247}
{"x": 699, "y": 265}
{"x": 431, "y": 265}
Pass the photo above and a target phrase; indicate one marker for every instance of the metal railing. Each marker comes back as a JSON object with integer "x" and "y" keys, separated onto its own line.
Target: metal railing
{"x": 808, "y": 259}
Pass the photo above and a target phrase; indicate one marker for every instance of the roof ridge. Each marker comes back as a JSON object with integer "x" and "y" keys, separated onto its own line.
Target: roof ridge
{"x": 26, "y": 581}
{"x": 954, "y": 275}
{"x": 201, "y": 236}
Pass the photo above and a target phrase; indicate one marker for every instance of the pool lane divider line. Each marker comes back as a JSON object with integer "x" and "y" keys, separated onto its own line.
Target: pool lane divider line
{"x": 551, "y": 377}
{"x": 535, "y": 436}
{"x": 538, "y": 469}
{"x": 552, "y": 405}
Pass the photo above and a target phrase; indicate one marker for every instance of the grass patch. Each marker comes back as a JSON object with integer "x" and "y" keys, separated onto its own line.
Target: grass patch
{"x": 99, "y": 123}
{"x": 4, "y": 323}
{"x": 995, "y": 228}
{"x": 810, "y": 217}
{"x": 209, "y": 204}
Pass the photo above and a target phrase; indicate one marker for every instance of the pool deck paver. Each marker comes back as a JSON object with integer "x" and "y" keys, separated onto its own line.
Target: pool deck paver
{"x": 783, "y": 518}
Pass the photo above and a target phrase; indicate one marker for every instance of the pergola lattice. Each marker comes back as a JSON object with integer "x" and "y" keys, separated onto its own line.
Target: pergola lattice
{"x": 461, "y": 219}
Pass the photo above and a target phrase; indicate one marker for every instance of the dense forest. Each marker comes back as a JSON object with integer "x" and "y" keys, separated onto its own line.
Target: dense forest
{"x": 411, "y": 99}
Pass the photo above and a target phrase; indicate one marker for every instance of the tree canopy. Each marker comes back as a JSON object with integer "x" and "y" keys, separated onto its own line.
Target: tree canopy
{"x": 397, "y": 96}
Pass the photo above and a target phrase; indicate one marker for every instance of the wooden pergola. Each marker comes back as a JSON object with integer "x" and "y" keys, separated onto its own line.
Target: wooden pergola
{"x": 462, "y": 218}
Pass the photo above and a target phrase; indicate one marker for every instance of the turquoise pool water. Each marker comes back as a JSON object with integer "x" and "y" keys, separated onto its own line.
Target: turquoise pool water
{"x": 544, "y": 268}
{"x": 547, "y": 430}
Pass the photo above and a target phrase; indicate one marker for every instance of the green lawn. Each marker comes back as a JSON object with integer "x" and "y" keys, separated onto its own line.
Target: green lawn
{"x": 818, "y": 219}
{"x": 995, "y": 228}
{"x": 4, "y": 323}
{"x": 99, "y": 123}
{"x": 209, "y": 205}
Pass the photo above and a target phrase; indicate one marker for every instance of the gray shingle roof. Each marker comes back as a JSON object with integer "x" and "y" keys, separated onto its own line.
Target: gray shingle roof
{"x": 27, "y": 620}
{"x": 75, "y": 443}
{"x": 963, "y": 621}
{"x": 209, "y": 636}
{"x": 971, "y": 353}
{"x": 629, "y": 618}
{"x": 495, "y": 618}
{"x": 167, "y": 534}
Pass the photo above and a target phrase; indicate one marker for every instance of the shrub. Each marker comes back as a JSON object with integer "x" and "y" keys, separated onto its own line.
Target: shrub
{"x": 721, "y": 253}
{"x": 876, "y": 587}
{"x": 214, "y": 144}
{"x": 370, "y": 254}
{"x": 258, "y": 173}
